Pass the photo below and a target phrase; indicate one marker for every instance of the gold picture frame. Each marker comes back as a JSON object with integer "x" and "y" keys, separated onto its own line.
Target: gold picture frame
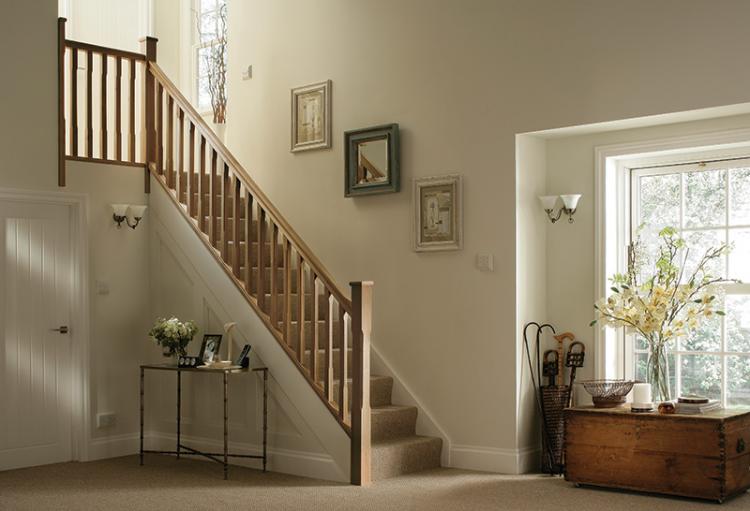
{"x": 438, "y": 217}
{"x": 311, "y": 117}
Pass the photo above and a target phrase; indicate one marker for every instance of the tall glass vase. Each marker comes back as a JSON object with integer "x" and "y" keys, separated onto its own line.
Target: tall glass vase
{"x": 658, "y": 371}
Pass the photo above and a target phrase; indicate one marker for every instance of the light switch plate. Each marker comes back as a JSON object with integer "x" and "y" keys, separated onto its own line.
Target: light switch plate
{"x": 247, "y": 73}
{"x": 105, "y": 420}
{"x": 485, "y": 262}
{"x": 102, "y": 287}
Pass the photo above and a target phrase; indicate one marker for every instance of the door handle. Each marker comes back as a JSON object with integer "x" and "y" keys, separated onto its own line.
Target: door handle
{"x": 63, "y": 329}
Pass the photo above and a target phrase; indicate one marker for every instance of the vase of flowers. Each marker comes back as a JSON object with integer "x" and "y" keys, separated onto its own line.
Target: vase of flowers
{"x": 173, "y": 335}
{"x": 663, "y": 303}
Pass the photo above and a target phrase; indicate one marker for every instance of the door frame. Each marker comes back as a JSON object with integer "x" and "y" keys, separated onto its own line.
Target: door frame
{"x": 78, "y": 208}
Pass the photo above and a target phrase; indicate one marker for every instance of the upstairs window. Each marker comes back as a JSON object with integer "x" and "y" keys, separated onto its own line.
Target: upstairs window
{"x": 209, "y": 51}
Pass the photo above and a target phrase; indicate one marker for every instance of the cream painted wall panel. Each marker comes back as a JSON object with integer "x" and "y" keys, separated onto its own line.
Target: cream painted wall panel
{"x": 112, "y": 23}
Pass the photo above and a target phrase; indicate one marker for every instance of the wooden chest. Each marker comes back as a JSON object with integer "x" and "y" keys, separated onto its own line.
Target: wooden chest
{"x": 702, "y": 456}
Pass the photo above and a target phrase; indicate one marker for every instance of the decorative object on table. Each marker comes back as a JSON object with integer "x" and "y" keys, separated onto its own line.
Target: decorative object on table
{"x": 186, "y": 361}
{"x": 243, "y": 359}
{"x": 438, "y": 222}
{"x": 666, "y": 304}
{"x": 173, "y": 335}
{"x": 696, "y": 405}
{"x": 371, "y": 158}
{"x": 666, "y": 408}
{"x": 552, "y": 399}
{"x": 311, "y": 116}
{"x": 641, "y": 398}
{"x": 705, "y": 457}
{"x": 210, "y": 348}
{"x": 570, "y": 203}
{"x": 608, "y": 393}
{"x": 228, "y": 327}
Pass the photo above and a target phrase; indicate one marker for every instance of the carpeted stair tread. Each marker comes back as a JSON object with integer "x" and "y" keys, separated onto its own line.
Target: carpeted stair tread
{"x": 393, "y": 421}
{"x": 396, "y": 456}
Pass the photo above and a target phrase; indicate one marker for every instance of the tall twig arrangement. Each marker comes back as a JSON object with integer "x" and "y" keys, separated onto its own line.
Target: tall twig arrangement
{"x": 215, "y": 62}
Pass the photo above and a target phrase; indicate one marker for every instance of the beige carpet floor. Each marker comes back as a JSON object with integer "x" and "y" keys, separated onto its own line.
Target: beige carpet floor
{"x": 167, "y": 484}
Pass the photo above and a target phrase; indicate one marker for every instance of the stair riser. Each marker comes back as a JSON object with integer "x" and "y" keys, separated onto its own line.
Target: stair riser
{"x": 380, "y": 391}
{"x": 393, "y": 423}
{"x": 394, "y": 461}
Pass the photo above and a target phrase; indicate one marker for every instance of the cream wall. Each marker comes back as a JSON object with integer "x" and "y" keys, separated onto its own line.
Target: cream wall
{"x": 461, "y": 79}
{"x": 28, "y": 161}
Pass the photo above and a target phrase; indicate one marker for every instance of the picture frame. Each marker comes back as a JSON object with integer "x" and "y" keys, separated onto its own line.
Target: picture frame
{"x": 210, "y": 348}
{"x": 438, "y": 215}
{"x": 371, "y": 160}
{"x": 311, "y": 117}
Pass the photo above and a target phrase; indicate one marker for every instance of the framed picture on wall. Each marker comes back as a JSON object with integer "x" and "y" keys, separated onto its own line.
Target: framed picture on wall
{"x": 210, "y": 348}
{"x": 311, "y": 117}
{"x": 438, "y": 222}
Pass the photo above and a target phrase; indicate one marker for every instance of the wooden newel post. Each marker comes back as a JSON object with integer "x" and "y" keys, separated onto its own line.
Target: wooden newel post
{"x": 148, "y": 45}
{"x": 361, "y": 328}
{"x": 61, "y": 101}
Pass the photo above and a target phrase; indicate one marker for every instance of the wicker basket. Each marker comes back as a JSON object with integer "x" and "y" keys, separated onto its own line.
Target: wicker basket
{"x": 554, "y": 401}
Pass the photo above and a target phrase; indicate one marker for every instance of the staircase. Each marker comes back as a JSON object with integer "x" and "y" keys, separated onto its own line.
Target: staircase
{"x": 325, "y": 334}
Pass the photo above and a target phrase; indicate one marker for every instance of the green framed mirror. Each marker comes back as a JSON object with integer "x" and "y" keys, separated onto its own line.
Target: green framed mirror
{"x": 372, "y": 160}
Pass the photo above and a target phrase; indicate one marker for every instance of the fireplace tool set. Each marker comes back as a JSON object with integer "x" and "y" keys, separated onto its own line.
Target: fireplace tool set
{"x": 556, "y": 395}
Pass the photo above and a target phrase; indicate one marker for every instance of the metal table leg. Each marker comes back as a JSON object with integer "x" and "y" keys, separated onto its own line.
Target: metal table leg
{"x": 141, "y": 448}
{"x": 265, "y": 418}
{"x": 226, "y": 427}
{"x": 179, "y": 409}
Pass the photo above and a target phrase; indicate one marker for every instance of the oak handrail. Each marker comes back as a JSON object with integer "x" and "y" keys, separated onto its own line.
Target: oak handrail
{"x": 95, "y": 48}
{"x": 258, "y": 195}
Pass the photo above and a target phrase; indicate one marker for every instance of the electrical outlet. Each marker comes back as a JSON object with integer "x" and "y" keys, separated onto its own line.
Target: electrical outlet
{"x": 105, "y": 420}
{"x": 485, "y": 262}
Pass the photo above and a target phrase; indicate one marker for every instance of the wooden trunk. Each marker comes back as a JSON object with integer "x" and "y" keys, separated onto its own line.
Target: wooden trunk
{"x": 702, "y": 456}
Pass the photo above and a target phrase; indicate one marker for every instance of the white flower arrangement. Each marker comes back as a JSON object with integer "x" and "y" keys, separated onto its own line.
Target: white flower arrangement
{"x": 665, "y": 306}
{"x": 173, "y": 335}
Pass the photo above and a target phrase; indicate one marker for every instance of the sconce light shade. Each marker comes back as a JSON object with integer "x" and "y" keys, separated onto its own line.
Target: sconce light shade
{"x": 137, "y": 211}
{"x": 548, "y": 201}
{"x": 571, "y": 201}
{"x": 119, "y": 209}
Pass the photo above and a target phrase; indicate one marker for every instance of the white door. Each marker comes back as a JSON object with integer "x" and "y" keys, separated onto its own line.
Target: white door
{"x": 36, "y": 288}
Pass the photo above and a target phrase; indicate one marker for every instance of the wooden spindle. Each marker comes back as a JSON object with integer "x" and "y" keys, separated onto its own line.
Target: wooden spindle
{"x": 191, "y": 169}
{"x": 315, "y": 332}
{"x": 261, "y": 258}
{"x": 287, "y": 296}
{"x": 61, "y": 102}
{"x": 103, "y": 115}
{"x": 343, "y": 345}
{"x": 118, "y": 108}
{"x": 225, "y": 191}
{"x": 248, "y": 243}
{"x": 74, "y": 101}
{"x": 212, "y": 200}
{"x": 273, "y": 284}
{"x": 131, "y": 114}
{"x": 201, "y": 188}
{"x": 170, "y": 141}
{"x": 89, "y": 104}
{"x": 236, "y": 224}
{"x": 300, "y": 308}
{"x": 160, "y": 129}
{"x": 328, "y": 355}
{"x": 179, "y": 185}
{"x": 361, "y": 430}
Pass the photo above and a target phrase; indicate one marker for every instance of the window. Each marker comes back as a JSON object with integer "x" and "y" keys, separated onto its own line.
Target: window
{"x": 209, "y": 43}
{"x": 709, "y": 204}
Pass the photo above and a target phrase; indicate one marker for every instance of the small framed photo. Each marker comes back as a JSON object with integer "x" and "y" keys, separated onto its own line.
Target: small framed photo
{"x": 371, "y": 158}
{"x": 438, "y": 222}
{"x": 210, "y": 348}
{"x": 311, "y": 117}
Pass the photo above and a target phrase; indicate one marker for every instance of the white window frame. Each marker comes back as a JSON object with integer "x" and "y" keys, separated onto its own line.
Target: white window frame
{"x": 689, "y": 163}
{"x": 613, "y": 217}
{"x": 196, "y": 46}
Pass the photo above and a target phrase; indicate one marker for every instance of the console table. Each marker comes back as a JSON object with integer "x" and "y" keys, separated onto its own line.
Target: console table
{"x": 701, "y": 456}
{"x": 222, "y": 457}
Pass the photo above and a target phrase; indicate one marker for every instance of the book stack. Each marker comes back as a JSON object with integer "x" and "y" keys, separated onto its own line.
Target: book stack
{"x": 694, "y": 405}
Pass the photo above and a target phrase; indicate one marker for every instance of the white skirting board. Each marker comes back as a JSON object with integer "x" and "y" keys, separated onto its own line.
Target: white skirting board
{"x": 492, "y": 459}
{"x": 279, "y": 460}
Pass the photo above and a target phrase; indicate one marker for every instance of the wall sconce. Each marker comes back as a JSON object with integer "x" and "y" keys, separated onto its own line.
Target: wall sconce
{"x": 570, "y": 202}
{"x": 120, "y": 214}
